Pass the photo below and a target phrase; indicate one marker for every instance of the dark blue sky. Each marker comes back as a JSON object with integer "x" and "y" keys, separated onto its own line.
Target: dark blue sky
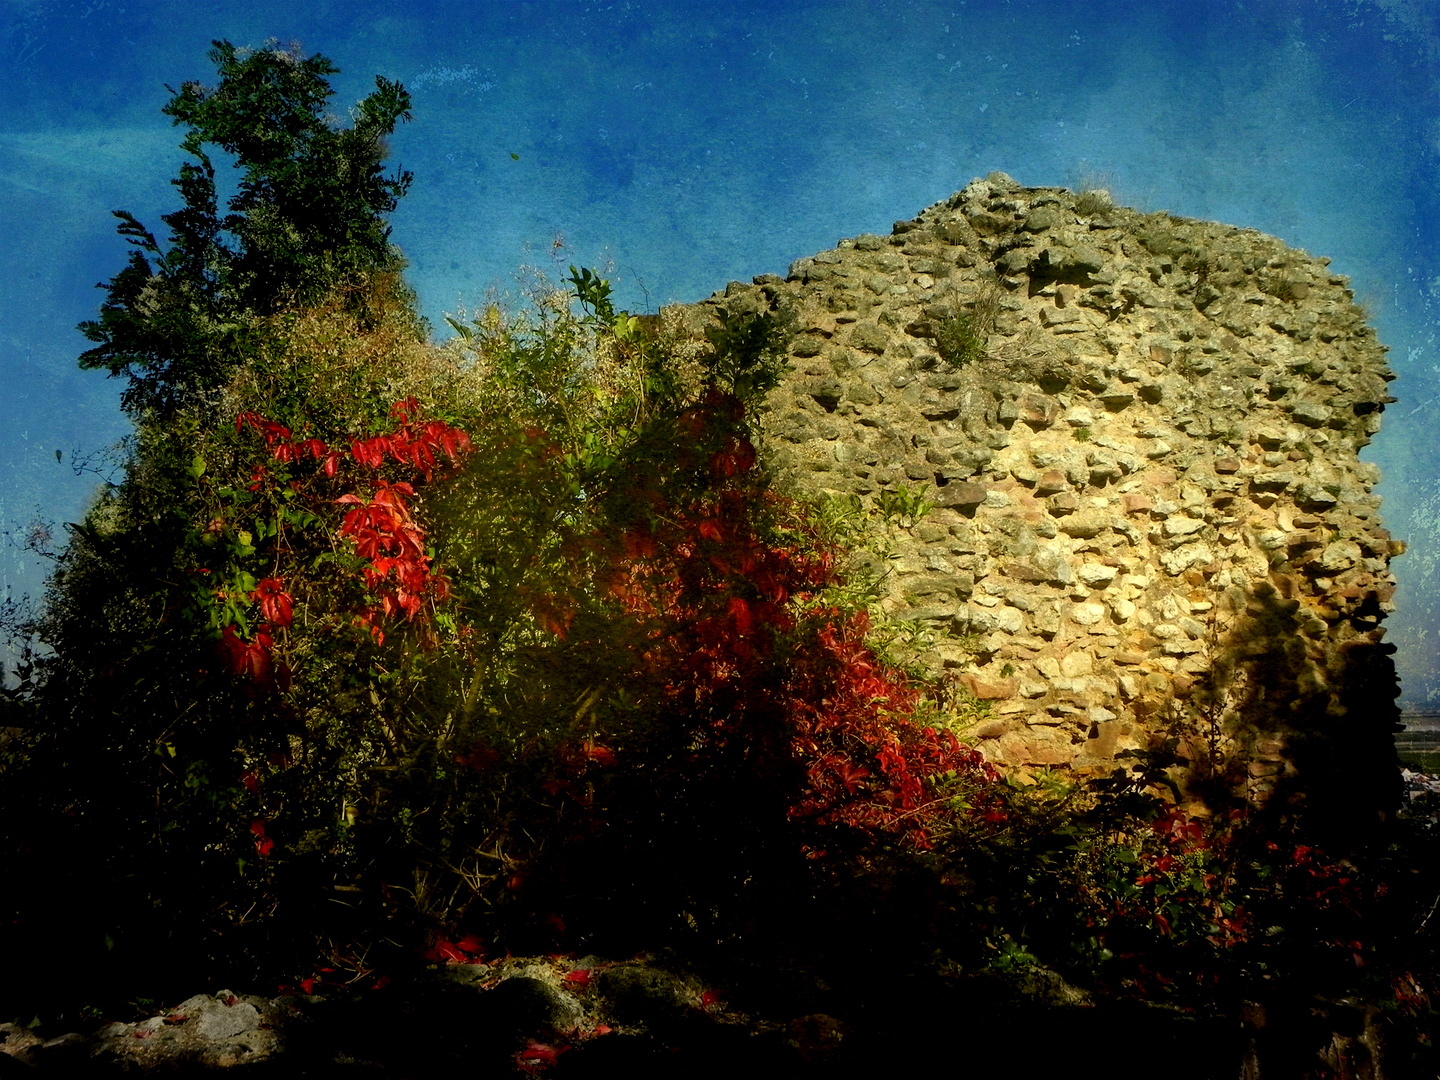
{"x": 687, "y": 144}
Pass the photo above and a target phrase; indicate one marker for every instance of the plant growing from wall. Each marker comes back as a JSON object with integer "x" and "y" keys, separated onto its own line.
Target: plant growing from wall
{"x": 961, "y": 329}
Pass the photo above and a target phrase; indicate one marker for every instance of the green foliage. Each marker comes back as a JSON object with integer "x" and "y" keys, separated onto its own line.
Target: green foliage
{"x": 748, "y": 353}
{"x": 961, "y": 330}
{"x": 223, "y": 689}
{"x": 901, "y": 506}
{"x": 593, "y": 292}
{"x": 307, "y": 219}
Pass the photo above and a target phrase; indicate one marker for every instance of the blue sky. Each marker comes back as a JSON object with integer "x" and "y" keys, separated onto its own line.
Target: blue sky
{"x": 684, "y": 145}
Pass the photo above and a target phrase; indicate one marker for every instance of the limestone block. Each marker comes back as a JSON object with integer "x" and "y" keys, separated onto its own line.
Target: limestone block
{"x": 1051, "y": 482}
{"x": 960, "y": 496}
{"x": 869, "y": 337}
{"x": 1183, "y": 558}
{"x": 1116, "y": 397}
{"x": 1097, "y": 575}
{"x": 1313, "y": 414}
{"x": 979, "y": 620}
{"x": 1054, "y": 565}
{"x": 1034, "y": 746}
{"x": 1061, "y": 320}
{"x": 990, "y": 691}
{"x": 1087, "y": 614}
{"x": 1182, "y": 526}
{"x": 1338, "y": 556}
{"x": 218, "y": 1019}
{"x": 1085, "y": 526}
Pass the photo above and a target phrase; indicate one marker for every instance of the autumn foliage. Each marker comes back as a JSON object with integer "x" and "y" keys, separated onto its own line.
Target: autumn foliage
{"x": 547, "y": 662}
{"x": 373, "y": 652}
{"x": 544, "y": 656}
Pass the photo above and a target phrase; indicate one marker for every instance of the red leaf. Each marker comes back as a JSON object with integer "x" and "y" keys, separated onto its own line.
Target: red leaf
{"x": 264, "y": 845}
{"x": 579, "y": 977}
{"x": 850, "y": 774}
{"x": 740, "y": 614}
{"x": 538, "y": 1051}
{"x": 471, "y": 944}
{"x": 444, "y": 952}
{"x": 601, "y": 755}
{"x": 480, "y": 757}
{"x": 232, "y": 648}
{"x": 256, "y": 662}
{"x": 369, "y": 452}
{"x": 275, "y": 602}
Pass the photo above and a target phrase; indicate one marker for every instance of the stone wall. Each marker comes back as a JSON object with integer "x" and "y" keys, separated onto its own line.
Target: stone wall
{"x": 1150, "y": 519}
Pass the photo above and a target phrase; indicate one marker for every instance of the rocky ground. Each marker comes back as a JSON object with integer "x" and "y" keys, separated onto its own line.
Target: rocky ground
{"x": 645, "y": 1016}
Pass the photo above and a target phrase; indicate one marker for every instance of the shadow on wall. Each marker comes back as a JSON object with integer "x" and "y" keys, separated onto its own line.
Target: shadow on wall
{"x": 1296, "y": 716}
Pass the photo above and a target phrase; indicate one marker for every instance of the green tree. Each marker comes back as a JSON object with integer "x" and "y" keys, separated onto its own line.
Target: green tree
{"x": 308, "y": 216}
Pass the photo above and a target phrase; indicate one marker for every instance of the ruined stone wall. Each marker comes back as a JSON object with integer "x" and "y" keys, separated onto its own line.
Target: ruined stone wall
{"x": 1150, "y": 519}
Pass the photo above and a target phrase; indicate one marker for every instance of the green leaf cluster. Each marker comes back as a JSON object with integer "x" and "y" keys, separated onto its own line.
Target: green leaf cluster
{"x": 307, "y": 218}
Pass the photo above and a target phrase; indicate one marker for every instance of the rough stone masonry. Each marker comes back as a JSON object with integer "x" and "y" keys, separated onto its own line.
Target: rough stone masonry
{"x": 1150, "y": 519}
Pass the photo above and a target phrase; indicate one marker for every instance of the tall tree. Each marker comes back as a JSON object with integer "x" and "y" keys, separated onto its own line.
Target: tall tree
{"x": 308, "y": 216}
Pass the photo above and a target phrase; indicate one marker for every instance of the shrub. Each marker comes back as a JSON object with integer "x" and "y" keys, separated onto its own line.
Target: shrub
{"x": 500, "y": 663}
{"x": 961, "y": 330}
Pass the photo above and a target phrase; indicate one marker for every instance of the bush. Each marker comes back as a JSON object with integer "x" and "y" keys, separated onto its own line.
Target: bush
{"x": 344, "y": 668}
{"x": 961, "y": 330}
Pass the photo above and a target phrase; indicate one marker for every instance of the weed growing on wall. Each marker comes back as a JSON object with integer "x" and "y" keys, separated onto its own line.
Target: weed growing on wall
{"x": 961, "y": 328}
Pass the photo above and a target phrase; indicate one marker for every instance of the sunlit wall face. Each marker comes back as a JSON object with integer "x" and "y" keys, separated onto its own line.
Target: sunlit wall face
{"x": 684, "y": 145}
